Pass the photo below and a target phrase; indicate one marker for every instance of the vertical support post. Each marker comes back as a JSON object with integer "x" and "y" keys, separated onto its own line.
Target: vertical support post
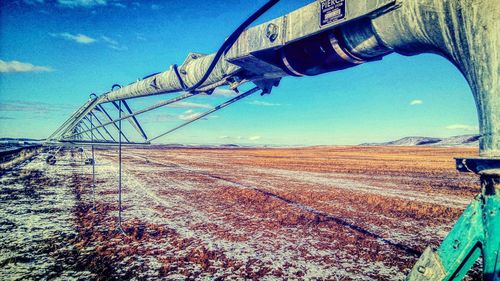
{"x": 120, "y": 169}
{"x": 93, "y": 165}
{"x": 490, "y": 185}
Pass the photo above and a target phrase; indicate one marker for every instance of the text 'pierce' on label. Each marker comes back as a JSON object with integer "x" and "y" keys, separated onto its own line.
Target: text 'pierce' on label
{"x": 331, "y": 11}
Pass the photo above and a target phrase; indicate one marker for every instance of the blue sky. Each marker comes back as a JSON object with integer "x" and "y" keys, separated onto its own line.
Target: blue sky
{"x": 53, "y": 54}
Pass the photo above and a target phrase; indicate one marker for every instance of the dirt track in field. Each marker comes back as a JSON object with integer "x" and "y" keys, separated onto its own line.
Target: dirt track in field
{"x": 336, "y": 213}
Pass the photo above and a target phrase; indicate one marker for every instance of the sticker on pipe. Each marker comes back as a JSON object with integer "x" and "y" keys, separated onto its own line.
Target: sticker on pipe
{"x": 331, "y": 11}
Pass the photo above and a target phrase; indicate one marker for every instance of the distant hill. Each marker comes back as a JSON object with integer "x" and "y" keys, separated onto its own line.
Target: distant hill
{"x": 464, "y": 140}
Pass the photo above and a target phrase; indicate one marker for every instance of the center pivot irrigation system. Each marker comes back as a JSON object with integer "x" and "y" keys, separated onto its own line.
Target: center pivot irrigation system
{"x": 331, "y": 35}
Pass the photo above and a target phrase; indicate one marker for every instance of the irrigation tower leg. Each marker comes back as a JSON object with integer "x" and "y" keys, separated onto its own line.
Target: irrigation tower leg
{"x": 120, "y": 169}
{"x": 93, "y": 164}
{"x": 476, "y": 234}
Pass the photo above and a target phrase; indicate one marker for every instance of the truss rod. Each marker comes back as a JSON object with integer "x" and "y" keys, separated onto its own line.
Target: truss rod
{"x": 87, "y": 127}
{"x": 100, "y": 123}
{"x": 103, "y": 111}
{"x": 133, "y": 121}
{"x": 92, "y": 125}
{"x": 74, "y": 120}
{"x": 219, "y": 107}
{"x": 87, "y": 134}
{"x": 70, "y": 119}
{"x": 158, "y": 105}
{"x": 99, "y": 143}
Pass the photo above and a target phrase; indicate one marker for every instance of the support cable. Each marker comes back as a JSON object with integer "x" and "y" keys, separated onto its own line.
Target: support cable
{"x": 219, "y": 107}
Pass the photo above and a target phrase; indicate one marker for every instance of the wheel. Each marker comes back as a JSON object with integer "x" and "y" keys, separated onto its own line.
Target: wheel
{"x": 89, "y": 161}
{"x": 51, "y": 160}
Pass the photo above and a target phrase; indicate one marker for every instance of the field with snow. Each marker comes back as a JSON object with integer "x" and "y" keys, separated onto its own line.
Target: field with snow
{"x": 331, "y": 213}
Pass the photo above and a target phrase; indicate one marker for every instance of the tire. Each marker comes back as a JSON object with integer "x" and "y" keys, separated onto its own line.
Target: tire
{"x": 51, "y": 160}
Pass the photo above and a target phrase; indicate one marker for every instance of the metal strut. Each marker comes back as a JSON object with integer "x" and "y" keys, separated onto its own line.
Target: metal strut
{"x": 104, "y": 128}
{"x": 103, "y": 111}
{"x": 133, "y": 120}
{"x": 96, "y": 128}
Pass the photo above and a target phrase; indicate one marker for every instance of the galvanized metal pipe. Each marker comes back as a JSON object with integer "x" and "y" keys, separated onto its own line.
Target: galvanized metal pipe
{"x": 467, "y": 33}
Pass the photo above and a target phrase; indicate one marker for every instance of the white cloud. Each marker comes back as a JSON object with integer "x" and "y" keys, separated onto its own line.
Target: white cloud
{"x": 254, "y": 138}
{"x": 113, "y": 44}
{"x": 464, "y": 127}
{"x": 223, "y": 92}
{"x": 119, "y": 5}
{"x": 17, "y": 66}
{"x": 82, "y": 3}
{"x": 188, "y": 115}
{"x": 118, "y": 48}
{"x": 78, "y": 38}
{"x": 33, "y": 2}
{"x": 159, "y": 118}
{"x": 416, "y": 102}
{"x": 32, "y": 106}
{"x": 78, "y": 3}
{"x": 263, "y": 103}
{"x": 182, "y": 104}
{"x": 140, "y": 36}
{"x": 109, "y": 40}
{"x": 224, "y": 137}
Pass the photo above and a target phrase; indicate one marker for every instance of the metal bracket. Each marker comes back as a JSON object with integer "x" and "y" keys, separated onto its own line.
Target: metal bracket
{"x": 478, "y": 165}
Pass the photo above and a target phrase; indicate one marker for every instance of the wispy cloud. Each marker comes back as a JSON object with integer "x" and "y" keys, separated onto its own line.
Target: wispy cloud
{"x": 263, "y": 103}
{"x": 85, "y": 39}
{"x": 113, "y": 44}
{"x": 33, "y": 2}
{"x": 463, "y": 127}
{"x": 78, "y": 38}
{"x": 159, "y": 118}
{"x": 223, "y": 92}
{"x": 182, "y": 104}
{"x": 155, "y": 7}
{"x": 34, "y": 107}
{"x": 82, "y": 3}
{"x": 416, "y": 102}
{"x": 241, "y": 138}
{"x": 85, "y": 4}
{"x": 17, "y": 66}
{"x": 119, "y": 5}
{"x": 188, "y": 115}
{"x": 109, "y": 40}
{"x": 140, "y": 36}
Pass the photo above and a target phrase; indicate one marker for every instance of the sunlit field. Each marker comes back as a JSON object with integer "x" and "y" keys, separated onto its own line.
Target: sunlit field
{"x": 336, "y": 213}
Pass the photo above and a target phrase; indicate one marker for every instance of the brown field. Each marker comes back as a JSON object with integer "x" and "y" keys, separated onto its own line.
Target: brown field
{"x": 332, "y": 213}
